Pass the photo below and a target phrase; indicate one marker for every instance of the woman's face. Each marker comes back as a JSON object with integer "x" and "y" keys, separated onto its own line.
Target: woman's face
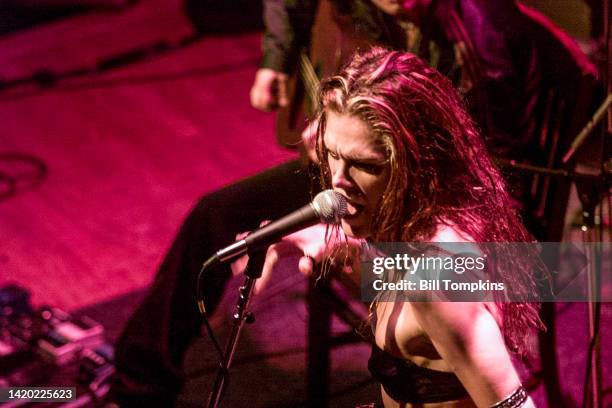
{"x": 359, "y": 170}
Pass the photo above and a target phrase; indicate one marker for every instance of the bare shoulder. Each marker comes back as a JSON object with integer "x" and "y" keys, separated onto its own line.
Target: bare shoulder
{"x": 450, "y": 233}
{"x": 453, "y": 241}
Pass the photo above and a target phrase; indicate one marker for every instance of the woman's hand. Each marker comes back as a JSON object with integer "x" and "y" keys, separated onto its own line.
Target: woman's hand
{"x": 312, "y": 245}
{"x": 309, "y": 244}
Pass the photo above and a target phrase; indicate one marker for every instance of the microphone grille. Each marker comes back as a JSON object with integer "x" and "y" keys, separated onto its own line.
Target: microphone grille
{"x": 330, "y": 206}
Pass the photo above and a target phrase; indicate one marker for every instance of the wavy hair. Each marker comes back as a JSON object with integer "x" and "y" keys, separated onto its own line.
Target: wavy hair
{"x": 440, "y": 172}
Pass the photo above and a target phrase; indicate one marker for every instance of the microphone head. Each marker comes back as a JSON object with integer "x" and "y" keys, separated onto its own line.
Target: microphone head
{"x": 330, "y": 206}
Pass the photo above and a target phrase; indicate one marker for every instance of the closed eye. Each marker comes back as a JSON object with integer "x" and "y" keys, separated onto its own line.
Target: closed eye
{"x": 366, "y": 166}
{"x": 333, "y": 155}
{"x": 371, "y": 168}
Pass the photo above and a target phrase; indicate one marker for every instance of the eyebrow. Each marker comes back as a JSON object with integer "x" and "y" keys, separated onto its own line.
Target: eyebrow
{"x": 352, "y": 157}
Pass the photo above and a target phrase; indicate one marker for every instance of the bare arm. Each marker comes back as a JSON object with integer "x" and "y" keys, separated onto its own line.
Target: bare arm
{"x": 468, "y": 338}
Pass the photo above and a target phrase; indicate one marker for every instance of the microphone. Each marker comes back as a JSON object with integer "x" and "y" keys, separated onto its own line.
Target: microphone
{"x": 328, "y": 207}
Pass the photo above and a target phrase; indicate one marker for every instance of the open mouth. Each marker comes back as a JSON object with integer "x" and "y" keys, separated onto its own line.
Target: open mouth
{"x": 353, "y": 209}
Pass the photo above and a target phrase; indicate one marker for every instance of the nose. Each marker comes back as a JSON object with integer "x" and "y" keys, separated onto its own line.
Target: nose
{"x": 341, "y": 177}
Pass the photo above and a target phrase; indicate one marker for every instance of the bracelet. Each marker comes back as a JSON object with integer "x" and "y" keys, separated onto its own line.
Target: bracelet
{"x": 514, "y": 400}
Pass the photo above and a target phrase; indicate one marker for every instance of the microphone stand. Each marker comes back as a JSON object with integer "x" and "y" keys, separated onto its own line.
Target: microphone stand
{"x": 590, "y": 188}
{"x": 241, "y": 315}
{"x": 589, "y": 194}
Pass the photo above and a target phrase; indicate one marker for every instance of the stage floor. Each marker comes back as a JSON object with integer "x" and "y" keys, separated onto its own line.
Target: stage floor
{"x": 108, "y": 165}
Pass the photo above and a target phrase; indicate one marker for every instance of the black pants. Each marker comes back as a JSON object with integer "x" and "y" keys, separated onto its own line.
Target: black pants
{"x": 150, "y": 351}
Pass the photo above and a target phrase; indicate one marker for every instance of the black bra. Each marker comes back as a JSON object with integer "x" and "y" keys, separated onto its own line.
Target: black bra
{"x": 407, "y": 382}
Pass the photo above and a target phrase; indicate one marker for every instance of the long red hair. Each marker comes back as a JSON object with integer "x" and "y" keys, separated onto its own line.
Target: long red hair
{"x": 440, "y": 171}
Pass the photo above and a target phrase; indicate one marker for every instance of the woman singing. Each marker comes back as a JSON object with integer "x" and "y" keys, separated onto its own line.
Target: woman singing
{"x": 396, "y": 142}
